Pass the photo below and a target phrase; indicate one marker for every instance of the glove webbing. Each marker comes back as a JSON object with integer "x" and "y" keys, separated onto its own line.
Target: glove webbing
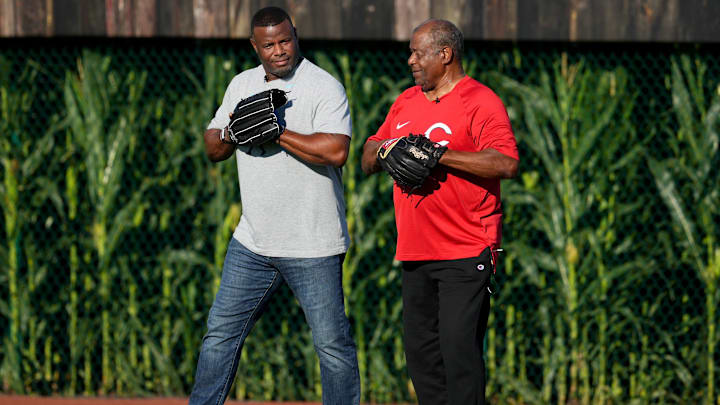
{"x": 258, "y": 111}
{"x": 271, "y": 119}
{"x": 275, "y": 127}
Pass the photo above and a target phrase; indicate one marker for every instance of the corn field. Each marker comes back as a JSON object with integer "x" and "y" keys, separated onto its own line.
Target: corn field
{"x": 115, "y": 227}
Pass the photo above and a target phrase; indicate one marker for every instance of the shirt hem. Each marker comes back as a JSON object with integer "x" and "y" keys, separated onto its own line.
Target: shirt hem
{"x": 425, "y": 257}
{"x": 300, "y": 254}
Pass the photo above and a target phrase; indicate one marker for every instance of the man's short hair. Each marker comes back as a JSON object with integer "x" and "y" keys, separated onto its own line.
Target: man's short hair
{"x": 444, "y": 33}
{"x": 267, "y": 17}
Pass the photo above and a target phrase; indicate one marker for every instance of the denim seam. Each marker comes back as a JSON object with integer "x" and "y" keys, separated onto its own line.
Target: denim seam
{"x": 237, "y": 346}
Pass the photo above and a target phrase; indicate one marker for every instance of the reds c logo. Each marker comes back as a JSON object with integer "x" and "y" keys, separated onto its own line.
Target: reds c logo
{"x": 442, "y": 126}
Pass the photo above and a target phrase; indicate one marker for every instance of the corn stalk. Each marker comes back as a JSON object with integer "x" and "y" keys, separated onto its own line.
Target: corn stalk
{"x": 214, "y": 189}
{"x": 26, "y": 188}
{"x": 689, "y": 185}
{"x": 105, "y": 119}
{"x": 14, "y": 106}
{"x": 575, "y": 126}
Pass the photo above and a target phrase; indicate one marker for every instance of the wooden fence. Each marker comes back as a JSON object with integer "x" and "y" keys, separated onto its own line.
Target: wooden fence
{"x": 543, "y": 20}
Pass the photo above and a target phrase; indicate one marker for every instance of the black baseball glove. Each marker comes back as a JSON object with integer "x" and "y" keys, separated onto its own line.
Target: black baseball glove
{"x": 254, "y": 122}
{"x": 409, "y": 159}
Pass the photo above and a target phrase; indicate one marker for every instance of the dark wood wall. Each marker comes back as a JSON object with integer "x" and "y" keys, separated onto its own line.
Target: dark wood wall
{"x": 555, "y": 20}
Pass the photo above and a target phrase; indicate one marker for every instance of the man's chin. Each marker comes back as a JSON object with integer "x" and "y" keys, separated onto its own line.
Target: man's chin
{"x": 280, "y": 73}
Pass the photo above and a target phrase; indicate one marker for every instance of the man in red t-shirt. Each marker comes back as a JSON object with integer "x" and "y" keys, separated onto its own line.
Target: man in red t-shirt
{"x": 449, "y": 229}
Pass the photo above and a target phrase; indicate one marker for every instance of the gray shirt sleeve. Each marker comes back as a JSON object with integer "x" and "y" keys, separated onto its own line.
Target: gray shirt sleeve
{"x": 332, "y": 113}
{"x": 230, "y": 99}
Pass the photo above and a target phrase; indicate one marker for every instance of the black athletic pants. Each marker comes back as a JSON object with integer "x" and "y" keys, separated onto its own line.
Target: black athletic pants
{"x": 445, "y": 313}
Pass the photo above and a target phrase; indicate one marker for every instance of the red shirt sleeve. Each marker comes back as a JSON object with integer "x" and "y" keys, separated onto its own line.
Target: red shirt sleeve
{"x": 490, "y": 127}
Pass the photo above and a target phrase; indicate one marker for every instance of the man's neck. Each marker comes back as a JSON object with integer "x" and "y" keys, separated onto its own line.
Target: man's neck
{"x": 446, "y": 84}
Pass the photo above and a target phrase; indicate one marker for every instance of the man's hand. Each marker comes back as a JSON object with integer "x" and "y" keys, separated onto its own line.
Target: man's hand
{"x": 254, "y": 122}
{"x": 409, "y": 160}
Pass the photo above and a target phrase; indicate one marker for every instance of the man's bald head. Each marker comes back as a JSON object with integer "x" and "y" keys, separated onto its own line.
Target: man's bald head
{"x": 444, "y": 34}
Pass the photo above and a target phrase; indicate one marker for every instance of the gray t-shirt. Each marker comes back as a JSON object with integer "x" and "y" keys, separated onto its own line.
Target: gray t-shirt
{"x": 291, "y": 208}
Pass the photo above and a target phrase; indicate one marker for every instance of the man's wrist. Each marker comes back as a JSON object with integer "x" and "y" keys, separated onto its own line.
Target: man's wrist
{"x": 281, "y": 132}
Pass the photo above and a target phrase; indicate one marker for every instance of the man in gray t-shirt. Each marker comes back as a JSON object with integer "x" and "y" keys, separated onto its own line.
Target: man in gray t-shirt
{"x": 293, "y": 225}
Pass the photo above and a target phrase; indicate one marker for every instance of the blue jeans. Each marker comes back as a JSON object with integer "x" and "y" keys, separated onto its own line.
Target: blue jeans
{"x": 248, "y": 282}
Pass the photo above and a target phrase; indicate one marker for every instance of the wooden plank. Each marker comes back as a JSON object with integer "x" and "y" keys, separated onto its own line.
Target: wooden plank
{"x": 576, "y": 7}
{"x": 313, "y": 19}
{"x": 583, "y": 17}
{"x": 248, "y": 10}
{"x": 367, "y": 19}
{"x": 528, "y": 20}
{"x": 78, "y": 18}
{"x": 556, "y": 20}
{"x": 587, "y": 21}
{"x": 656, "y": 20}
{"x": 499, "y": 20}
{"x": 613, "y": 21}
{"x": 240, "y": 12}
{"x": 145, "y": 15}
{"x": 49, "y": 21}
{"x": 119, "y": 18}
{"x": 620, "y": 20}
{"x": 92, "y": 18}
{"x": 465, "y": 14}
{"x": 408, "y": 15}
{"x": 7, "y": 18}
{"x": 544, "y": 20}
{"x": 700, "y": 23}
{"x": 210, "y": 18}
{"x": 175, "y": 18}
{"x": 66, "y": 15}
{"x": 32, "y": 18}
{"x": 112, "y": 21}
{"x": 317, "y": 19}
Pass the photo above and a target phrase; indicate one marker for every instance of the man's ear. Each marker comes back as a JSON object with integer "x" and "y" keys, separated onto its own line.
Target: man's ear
{"x": 448, "y": 55}
{"x": 254, "y": 45}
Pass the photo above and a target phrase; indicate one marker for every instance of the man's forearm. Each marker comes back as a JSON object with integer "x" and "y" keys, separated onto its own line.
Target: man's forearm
{"x": 488, "y": 163}
{"x": 318, "y": 148}
{"x": 216, "y": 149}
{"x": 369, "y": 161}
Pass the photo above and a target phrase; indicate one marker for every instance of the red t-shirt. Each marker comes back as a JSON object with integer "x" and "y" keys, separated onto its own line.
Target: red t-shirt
{"x": 455, "y": 215}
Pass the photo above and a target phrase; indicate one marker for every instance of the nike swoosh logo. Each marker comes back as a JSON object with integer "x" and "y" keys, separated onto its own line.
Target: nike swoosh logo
{"x": 401, "y": 125}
